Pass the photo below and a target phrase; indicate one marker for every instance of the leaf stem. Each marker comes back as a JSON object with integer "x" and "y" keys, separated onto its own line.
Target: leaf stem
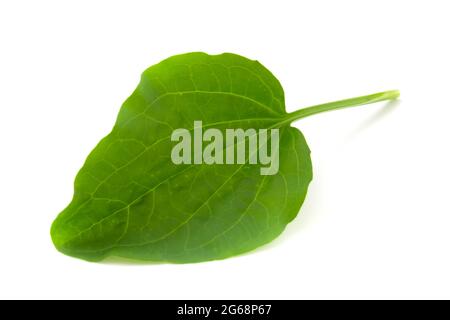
{"x": 353, "y": 102}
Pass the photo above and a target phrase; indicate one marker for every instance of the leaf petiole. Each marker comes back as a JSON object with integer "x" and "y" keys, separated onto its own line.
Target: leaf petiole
{"x": 352, "y": 102}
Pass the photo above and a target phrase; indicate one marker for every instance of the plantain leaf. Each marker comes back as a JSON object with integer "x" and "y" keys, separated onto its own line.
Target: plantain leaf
{"x": 132, "y": 201}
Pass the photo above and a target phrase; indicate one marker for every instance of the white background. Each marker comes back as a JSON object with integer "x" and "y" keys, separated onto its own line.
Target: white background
{"x": 376, "y": 222}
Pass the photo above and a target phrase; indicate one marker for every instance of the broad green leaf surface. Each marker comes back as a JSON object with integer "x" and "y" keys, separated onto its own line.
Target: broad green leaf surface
{"x": 131, "y": 201}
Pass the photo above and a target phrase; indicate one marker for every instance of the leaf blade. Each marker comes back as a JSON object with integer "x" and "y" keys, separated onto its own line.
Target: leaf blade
{"x": 124, "y": 203}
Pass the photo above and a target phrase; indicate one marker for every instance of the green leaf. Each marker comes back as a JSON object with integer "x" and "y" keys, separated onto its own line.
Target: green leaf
{"x": 132, "y": 201}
